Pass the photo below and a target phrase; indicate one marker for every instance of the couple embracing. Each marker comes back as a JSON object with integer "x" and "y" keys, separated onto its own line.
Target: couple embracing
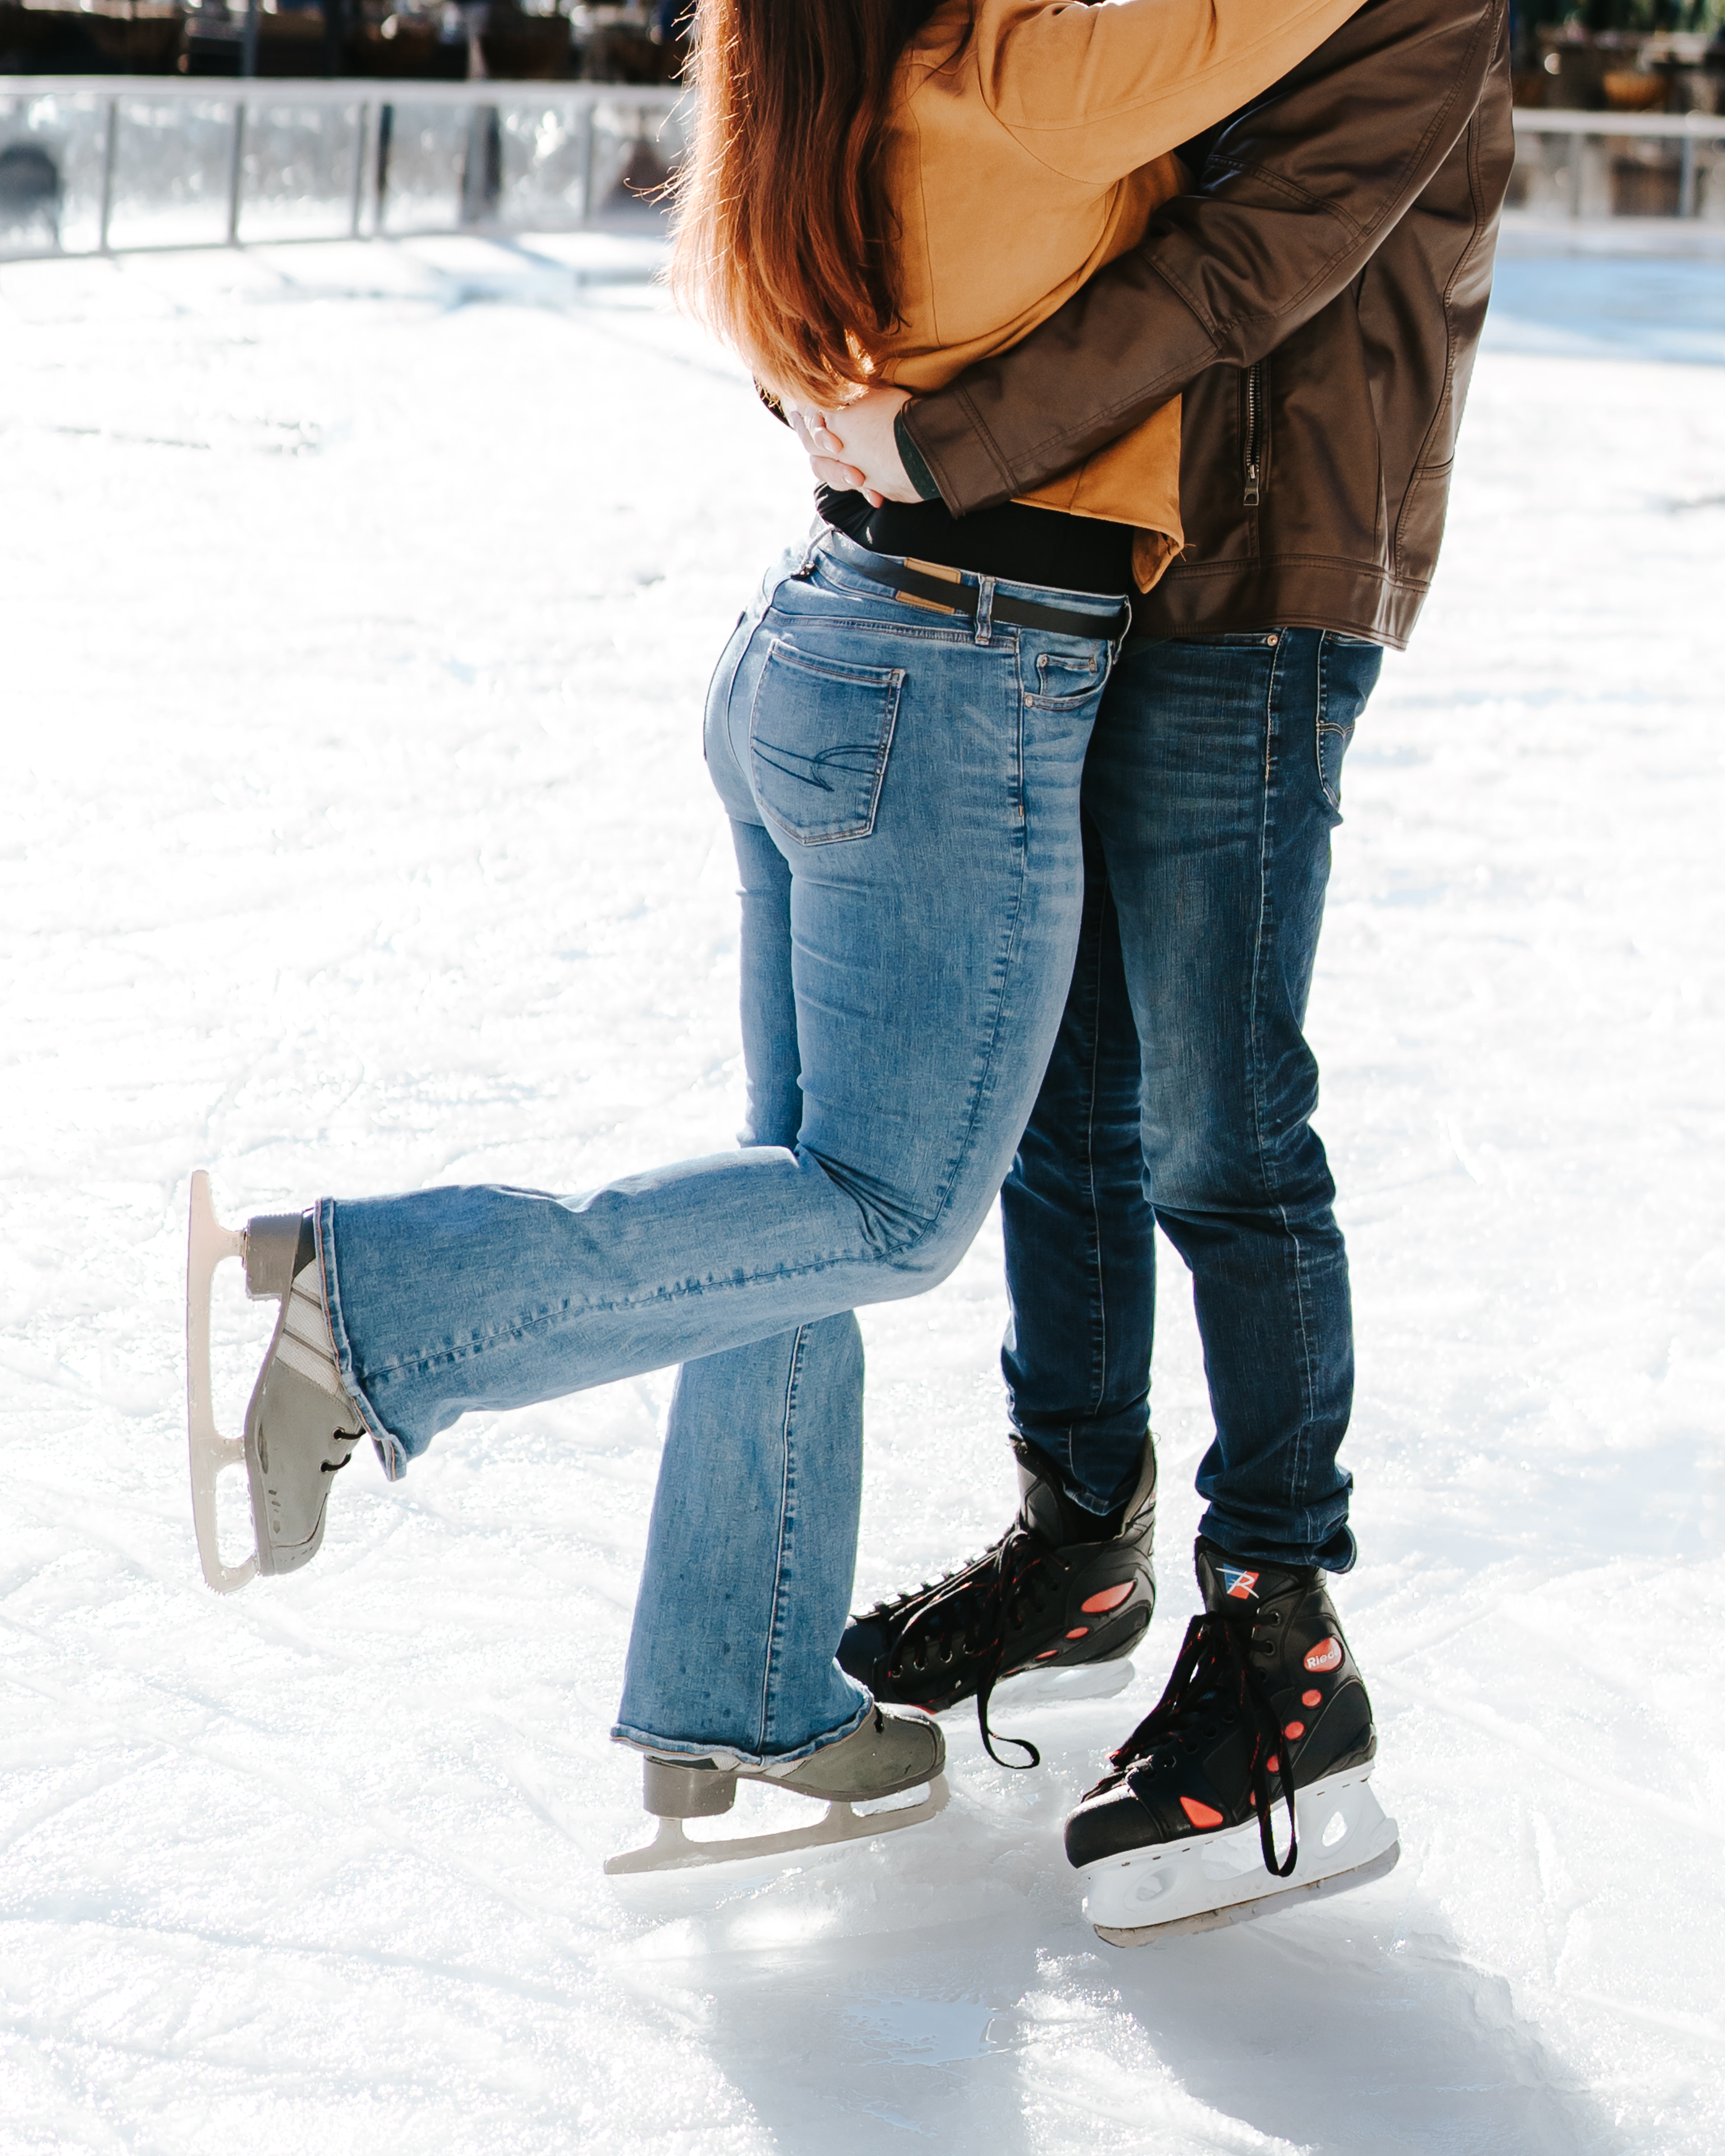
{"x": 1130, "y": 343}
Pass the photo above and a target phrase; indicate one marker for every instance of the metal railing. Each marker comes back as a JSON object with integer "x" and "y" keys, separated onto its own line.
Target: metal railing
{"x": 1599, "y": 148}
{"x": 127, "y": 164}
{"x": 143, "y": 162}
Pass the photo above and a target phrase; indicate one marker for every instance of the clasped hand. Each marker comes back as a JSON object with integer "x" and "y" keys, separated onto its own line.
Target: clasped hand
{"x": 854, "y": 449}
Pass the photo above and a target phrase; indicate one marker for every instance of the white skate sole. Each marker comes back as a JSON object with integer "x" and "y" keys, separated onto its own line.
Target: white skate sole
{"x": 671, "y": 1849}
{"x": 1034, "y": 1687}
{"x": 208, "y": 1242}
{"x": 1346, "y": 1840}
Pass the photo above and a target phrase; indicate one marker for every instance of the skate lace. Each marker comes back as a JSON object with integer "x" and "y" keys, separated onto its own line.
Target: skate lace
{"x": 1213, "y": 1675}
{"x": 967, "y": 1616}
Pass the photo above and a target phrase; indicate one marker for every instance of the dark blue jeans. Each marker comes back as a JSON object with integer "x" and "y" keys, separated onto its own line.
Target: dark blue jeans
{"x": 1181, "y": 1090}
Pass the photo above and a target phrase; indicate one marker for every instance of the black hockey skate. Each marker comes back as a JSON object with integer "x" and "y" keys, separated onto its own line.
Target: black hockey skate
{"x": 1265, "y": 1700}
{"x": 1061, "y": 1586}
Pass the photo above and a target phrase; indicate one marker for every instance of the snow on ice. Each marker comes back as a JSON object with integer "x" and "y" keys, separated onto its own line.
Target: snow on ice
{"x": 358, "y": 604}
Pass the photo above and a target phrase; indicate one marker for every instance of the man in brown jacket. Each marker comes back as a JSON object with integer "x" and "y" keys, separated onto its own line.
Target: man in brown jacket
{"x": 1316, "y": 300}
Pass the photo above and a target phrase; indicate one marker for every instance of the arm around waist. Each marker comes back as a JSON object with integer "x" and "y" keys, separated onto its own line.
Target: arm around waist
{"x": 1297, "y": 193}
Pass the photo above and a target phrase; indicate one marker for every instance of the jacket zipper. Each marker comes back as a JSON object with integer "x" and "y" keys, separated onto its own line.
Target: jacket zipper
{"x": 1253, "y": 433}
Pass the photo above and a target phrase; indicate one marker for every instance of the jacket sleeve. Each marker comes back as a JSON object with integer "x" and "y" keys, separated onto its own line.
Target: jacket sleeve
{"x": 1094, "y": 92}
{"x": 1293, "y": 195}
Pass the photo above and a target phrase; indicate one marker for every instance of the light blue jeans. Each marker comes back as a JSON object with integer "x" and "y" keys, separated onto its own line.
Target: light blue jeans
{"x": 903, "y": 787}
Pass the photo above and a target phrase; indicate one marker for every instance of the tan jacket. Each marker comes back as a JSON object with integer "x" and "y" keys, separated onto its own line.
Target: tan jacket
{"x": 1028, "y": 146}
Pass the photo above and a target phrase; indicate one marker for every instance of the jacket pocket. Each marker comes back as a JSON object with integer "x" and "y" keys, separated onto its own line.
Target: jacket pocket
{"x": 820, "y": 731}
{"x": 1419, "y": 528}
{"x": 1254, "y": 432}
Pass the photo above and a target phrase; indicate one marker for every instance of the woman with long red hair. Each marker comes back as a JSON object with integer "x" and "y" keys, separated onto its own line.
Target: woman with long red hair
{"x": 897, "y": 729}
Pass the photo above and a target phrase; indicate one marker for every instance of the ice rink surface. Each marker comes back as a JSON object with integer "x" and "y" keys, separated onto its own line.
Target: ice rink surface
{"x": 356, "y": 609}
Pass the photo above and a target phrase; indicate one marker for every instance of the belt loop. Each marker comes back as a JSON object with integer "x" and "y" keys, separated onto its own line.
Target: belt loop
{"x": 818, "y": 535}
{"x": 985, "y": 610}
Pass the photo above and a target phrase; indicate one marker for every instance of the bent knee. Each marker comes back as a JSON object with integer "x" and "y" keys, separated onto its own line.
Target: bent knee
{"x": 906, "y": 1256}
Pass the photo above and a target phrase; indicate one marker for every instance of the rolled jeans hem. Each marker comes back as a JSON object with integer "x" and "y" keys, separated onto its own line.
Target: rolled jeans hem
{"x": 644, "y": 1740}
{"x": 390, "y": 1450}
{"x": 1337, "y": 1553}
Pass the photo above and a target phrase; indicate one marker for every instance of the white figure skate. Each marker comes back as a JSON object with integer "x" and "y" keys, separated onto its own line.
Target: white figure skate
{"x": 301, "y": 1426}
{"x": 896, "y": 1748}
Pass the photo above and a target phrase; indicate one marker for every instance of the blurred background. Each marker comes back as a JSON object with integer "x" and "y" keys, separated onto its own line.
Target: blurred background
{"x": 118, "y": 129}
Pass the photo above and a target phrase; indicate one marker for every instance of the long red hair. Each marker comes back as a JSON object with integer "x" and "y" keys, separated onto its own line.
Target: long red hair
{"x": 783, "y": 224}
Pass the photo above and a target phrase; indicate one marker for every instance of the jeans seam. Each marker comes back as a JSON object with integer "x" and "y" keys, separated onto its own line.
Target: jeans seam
{"x": 569, "y": 1313}
{"x": 1099, "y": 1364}
{"x": 390, "y": 1450}
{"x": 787, "y": 1522}
{"x": 1274, "y": 748}
{"x": 1255, "y": 991}
{"x": 985, "y": 1069}
{"x": 1017, "y": 780}
{"x": 1299, "y": 1452}
{"x": 894, "y": 1260}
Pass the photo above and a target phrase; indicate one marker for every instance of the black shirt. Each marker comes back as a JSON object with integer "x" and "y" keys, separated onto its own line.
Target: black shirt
{"x": 1023, "y": 545}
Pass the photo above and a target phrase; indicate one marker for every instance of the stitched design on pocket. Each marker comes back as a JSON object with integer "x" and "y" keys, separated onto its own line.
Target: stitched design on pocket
{"x": 819, "y": 734}
{"x": 1347, "y": 672}
{"x": 1332, "y": 742}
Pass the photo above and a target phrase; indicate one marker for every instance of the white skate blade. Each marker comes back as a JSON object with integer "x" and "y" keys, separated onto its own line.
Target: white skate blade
{"x": 1198, "y": 1885}
{"x": 208, "y": 1242}
{"x": 672, "y": 1851}
{"x": 1035, "y": 1687}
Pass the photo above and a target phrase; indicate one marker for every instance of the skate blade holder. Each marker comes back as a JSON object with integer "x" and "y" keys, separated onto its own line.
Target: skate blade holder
{"x": 1216, "y": 1879}
{"x": 266, "y": 1248}
{"x": 1070, "y": 1685}
{"x": 673, "y": 1794}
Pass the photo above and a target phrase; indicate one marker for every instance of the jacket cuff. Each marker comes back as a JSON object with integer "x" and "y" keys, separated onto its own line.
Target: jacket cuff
{"x": 964, "y": 469}
{"x": 911, "y": 456}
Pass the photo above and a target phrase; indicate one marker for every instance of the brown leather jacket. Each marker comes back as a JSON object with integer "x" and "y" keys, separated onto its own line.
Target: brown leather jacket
{"x": 1317, "y": 302}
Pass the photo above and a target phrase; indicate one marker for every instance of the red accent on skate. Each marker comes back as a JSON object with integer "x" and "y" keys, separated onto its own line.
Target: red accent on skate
{"x": 1046, "y": 1653}
{"x": 1079, "y": 1632}
{"x": 1273, "y": 1765}
{"x": 1293, "y": 1730}
{"x": 1312, "y": 1699}
{"x": 1111, "y": 1597}
{"x": 1325, "y": 1655}
{"x": 1242, "y": 1588}
{"x": 1199, "y": 1814}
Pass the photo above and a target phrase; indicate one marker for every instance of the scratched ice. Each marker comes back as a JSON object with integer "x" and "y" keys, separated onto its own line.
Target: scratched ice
{"x": 356, "y": 609}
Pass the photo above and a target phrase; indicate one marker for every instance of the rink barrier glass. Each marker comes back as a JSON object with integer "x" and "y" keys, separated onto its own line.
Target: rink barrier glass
{"x": 161, "y": 162}
{"x": 142, "y": 163}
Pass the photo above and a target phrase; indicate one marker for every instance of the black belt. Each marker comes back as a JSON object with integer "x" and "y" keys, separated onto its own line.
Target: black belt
{"x": 943, "y": 590}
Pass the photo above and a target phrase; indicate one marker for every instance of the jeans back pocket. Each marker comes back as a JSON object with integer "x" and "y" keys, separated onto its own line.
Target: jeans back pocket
{"x": 820, "y": 731}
